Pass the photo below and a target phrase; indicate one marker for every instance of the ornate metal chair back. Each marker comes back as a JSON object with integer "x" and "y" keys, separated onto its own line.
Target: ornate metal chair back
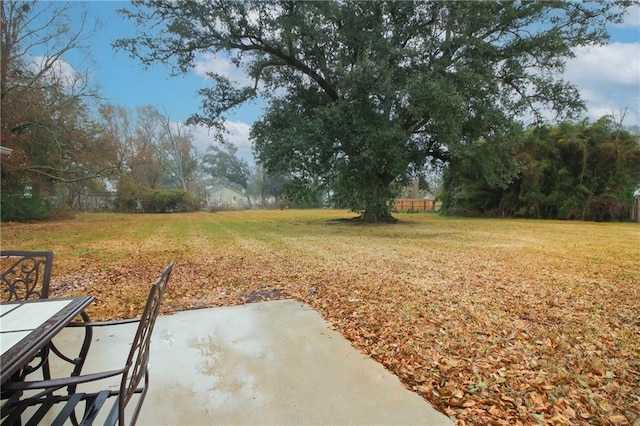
{"x": 25, "y": 274}
{"x": 138, "y": 359}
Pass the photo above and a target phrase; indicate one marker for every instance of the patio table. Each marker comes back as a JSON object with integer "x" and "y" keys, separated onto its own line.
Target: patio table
{"x": 27, "y": 326}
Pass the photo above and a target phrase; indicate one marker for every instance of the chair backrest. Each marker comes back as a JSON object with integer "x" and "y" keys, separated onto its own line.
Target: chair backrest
{"x": 138, "y": 360}
{"x": 25, "y": 274}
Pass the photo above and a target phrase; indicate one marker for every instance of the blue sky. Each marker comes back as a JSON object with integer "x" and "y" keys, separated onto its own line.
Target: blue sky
{"x": 125, "y": 82}
{"x": 608, "y": 77}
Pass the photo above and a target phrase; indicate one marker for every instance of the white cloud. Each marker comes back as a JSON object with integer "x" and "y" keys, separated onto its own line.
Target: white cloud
{"x": 202, "y": 138}
{"x": 59, "y": 72}
{"x": 238, "y": 135}
{"x": 613, "y": 64}
{"x": 210, "y": 63}
{"x": 632, "y": 18}
{"x": 608, "y": 78}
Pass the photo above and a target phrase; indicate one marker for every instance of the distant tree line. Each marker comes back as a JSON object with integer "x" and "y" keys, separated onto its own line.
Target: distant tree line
{"x": 68, "y": 146}
{"x": 580, "y": 170}
{"x": 451, "y": 80}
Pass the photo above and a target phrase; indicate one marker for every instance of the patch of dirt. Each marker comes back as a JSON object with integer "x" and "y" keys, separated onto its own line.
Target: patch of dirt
{"x": 261, "y": 296}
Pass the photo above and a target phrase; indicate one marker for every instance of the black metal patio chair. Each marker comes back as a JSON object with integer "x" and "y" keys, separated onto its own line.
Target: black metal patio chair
{"x": 134, "y": 379}
{"x": 26, "y": 275}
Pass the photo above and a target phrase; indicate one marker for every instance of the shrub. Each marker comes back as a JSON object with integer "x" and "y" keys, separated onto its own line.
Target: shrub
{"x": 23, "y": 209}
{"x": 606, "y": 208}
{"x": 147, "y": 200}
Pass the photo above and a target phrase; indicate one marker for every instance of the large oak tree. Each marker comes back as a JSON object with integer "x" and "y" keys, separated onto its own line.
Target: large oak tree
{"x": 362, "y": 96}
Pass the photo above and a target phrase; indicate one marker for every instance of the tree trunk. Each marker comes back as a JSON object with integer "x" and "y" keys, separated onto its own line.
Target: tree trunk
{"x": 377, "y": 204}
{"x": 378, "y": 213}
{"x": 379, "y": 200}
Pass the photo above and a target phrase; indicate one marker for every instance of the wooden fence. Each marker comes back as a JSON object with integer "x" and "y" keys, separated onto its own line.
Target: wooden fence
{"x": 635, "y": 210}
{"x": 416, "y": 204}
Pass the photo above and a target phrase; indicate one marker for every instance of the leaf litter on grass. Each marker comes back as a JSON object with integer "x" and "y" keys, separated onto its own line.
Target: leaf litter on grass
{"x": 492, "y": 321}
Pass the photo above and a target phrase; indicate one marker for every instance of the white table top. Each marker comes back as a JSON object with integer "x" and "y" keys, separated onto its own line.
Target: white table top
{"x": 27, "y": 326}
{"x": 18, "y": 320}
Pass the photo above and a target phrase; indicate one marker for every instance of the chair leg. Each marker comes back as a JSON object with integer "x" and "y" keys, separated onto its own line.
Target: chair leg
{"x": 42, "y": 364}
{"x": 78, "y": 362}
{"x": 46, "y": 369}
{"x": 84, "y": 349}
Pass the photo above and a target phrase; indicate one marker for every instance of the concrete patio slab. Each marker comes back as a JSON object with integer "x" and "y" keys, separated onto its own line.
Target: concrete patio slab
{"x": 270, "y": 363}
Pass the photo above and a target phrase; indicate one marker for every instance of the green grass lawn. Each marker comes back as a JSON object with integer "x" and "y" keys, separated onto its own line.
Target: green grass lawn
{"x": 503, "y": 321}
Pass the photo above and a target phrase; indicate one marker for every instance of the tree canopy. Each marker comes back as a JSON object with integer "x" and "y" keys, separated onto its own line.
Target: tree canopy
{"x": 586, "y": 171}
{"x": 363, "y": 96}
{"x": 43, "y": 111}
{"x": 68, "y": 149}
{"x": 223, "y": 165}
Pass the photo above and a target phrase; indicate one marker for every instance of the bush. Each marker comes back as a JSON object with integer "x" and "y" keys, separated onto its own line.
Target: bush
{"x": 140, "y": 199}
{"x": 606, "y": 208}
{"x": 24, "y": 209}
{"x": 165, "y": 201}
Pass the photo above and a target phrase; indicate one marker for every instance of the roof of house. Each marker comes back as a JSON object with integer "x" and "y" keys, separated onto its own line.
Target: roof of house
{"x": 217, "y": 188}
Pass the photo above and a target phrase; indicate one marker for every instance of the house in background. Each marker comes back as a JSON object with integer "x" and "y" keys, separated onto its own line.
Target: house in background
{"x": 225, "y": 196}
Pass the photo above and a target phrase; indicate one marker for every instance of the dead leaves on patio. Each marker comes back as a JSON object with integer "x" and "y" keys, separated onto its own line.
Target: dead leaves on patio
{"x": 493, "y": 322}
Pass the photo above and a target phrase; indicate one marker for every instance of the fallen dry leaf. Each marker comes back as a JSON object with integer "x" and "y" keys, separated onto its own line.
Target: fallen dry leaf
{"x": 492, "y": 321}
